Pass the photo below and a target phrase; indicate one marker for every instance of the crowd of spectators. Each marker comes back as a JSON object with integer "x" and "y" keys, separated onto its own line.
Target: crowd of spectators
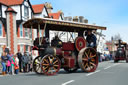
{"x": 15, "y": 63}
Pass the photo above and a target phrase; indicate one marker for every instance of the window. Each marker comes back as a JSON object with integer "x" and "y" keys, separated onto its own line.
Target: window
{"x": 22, "y": 48}
{"x": 30, "y": 34}
{"x": 1, "y": 30}
{"x": 26, "y": 47}
{"x": 26, "y": 11}
{"x": 21, "y": 30}
{"x": 26, "y": 32}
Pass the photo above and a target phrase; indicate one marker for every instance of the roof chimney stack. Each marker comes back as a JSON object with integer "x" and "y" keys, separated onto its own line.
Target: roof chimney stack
{"x": 75, "y": 19}
{"x": 49, "y": 7}
{"x": 81, "y": 19}
{"x": 85, "y": 20}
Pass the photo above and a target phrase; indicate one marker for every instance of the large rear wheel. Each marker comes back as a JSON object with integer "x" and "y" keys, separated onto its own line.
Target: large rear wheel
{"x": 50, "y": 64}
{"x": 88, "y": 59}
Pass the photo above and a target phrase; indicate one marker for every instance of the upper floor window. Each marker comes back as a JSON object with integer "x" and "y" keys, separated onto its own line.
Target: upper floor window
{"x": 26, "y": 32}
{"x": 26, "y": 11}
{"x": 1, "y": 30}
{"x": 21, "y": 30}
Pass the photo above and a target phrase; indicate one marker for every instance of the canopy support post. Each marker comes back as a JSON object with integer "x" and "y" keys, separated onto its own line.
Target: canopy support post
{"x": 39, "y": 33}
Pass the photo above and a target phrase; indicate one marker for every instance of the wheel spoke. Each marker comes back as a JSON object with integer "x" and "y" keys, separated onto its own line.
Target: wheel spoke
{"x": 55, "y": 61}
{"x": 54, "y": 68}
{"x": 86, "y": 54}
{"x": 86, "y": 65}
{"x": 45, "y": 64}
{"x": 56, "y": 65}
{"x": 93, "y": 64}
{"x": 90, "y": 54}
{"x": 85, "y": 59}
{"x": 49, "y": 69}
{"x": 49, "y": 59}
{"x": 45, "y": 60}
{"x": 93, "y": 56}
{"x": 45, "y": 67}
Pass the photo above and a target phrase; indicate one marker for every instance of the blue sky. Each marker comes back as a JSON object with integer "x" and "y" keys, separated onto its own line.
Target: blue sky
{"x": 110, "y": 13}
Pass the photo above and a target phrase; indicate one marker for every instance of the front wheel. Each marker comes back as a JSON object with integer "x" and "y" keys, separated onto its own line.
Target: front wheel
{"x": 50, "y": 64}
{"x": 36, "y": 65}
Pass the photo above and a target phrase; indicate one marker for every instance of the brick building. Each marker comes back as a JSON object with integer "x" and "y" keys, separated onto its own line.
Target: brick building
{"x": 13, "y": 13}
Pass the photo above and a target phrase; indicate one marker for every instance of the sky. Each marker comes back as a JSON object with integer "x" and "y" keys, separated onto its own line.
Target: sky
{"x": 112, "y": 14}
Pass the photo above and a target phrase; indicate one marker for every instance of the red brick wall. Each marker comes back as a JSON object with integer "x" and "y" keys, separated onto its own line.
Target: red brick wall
{"x": 18, "y": 33}
{"x": 4, "y": 34}
{"x": 11, "y": 33}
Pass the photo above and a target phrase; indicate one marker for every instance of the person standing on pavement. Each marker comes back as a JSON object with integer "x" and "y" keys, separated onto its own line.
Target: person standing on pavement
{"x": 30, "y": 62}
{"x": 16, "y": 66}
{"x": 12, "y": 64}
{"x": 3, "y": 62}
{"x": 19, "y": 55}
{"x": 8, "y": 70}
{"x": 25, "y": 62}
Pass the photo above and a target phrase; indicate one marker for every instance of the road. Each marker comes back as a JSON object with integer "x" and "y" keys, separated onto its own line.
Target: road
{"x": 107, "y": 73}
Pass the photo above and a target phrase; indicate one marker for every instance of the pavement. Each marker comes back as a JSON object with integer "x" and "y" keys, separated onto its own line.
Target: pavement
{"x": 107, "y": 73}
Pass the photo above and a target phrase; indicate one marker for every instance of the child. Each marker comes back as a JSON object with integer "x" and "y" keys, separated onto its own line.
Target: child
{"x": 16, "y": 66}
{"x": 12, "y": 65}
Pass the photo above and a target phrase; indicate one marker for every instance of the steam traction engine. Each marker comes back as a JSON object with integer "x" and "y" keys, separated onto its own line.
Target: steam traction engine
{"x": 122, "y": 52}
{"x": 58, "y": 54}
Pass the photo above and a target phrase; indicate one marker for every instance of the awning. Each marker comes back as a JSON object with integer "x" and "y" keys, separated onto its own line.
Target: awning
{"x": 59, "y": 25}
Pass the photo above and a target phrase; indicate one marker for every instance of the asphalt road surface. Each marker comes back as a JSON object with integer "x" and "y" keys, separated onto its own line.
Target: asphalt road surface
{"x": 107, "y": 73}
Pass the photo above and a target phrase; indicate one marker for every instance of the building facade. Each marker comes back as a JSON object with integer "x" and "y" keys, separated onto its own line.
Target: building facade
{"x": 13, "y": 13}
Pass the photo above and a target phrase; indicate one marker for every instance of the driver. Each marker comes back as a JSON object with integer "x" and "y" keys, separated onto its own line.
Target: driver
{"x": 91, "y": 39}
{"x": 56, "y": 42}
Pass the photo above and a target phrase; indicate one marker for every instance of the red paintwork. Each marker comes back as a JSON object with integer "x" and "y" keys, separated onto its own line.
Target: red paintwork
{"x": 80, "y": 43}
{"x": 69, "y": 61}
{"x": 58, "y": 51}
{"x": 35, "y": 48}
{"x": 66, "y": 53}
{"x": 68, "y": 46}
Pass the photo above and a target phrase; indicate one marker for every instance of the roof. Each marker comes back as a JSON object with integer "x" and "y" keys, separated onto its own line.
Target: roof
{"x": 38, "y": 8}
{"x": 122, "y": 43}
{"x": 60, "y": 25}
{"x": 11, "y": 2}
{"x": 9, "y": 9}
{"x": 55, "y": 15}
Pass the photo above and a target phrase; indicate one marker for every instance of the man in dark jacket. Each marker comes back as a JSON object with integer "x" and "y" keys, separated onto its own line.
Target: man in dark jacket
{"x": 19, "y": 55}
{"x": 91, "y": 39}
